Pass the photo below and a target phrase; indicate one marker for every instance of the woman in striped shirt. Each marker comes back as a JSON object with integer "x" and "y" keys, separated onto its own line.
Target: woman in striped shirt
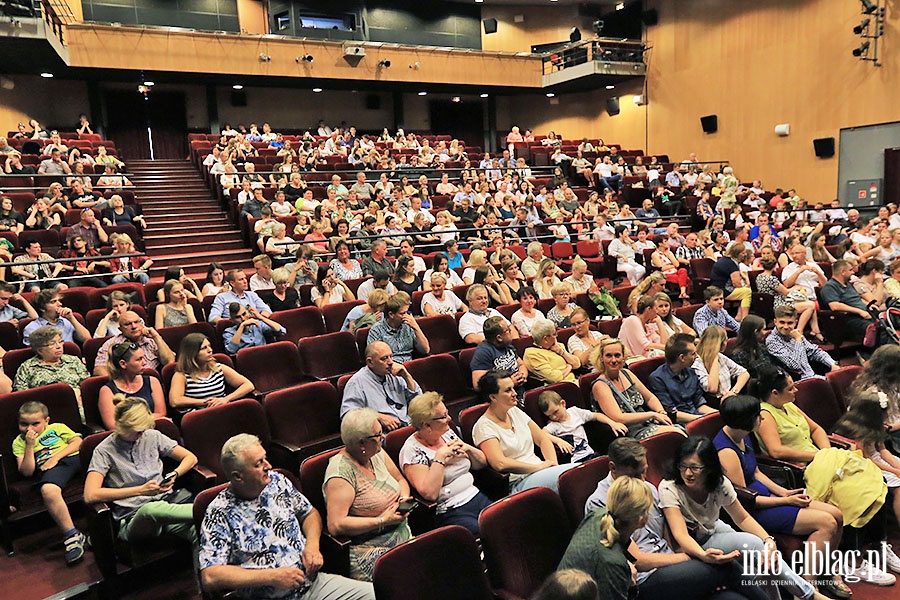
{"x": 200, "y": 381}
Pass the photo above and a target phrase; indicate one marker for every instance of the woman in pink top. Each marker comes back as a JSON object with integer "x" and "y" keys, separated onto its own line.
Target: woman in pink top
{"x": 643, "y": 332}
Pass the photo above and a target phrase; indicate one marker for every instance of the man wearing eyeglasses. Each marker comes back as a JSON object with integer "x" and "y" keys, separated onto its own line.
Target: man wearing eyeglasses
{"x": 156, "y": 352}
{"x": 382, "y": 385}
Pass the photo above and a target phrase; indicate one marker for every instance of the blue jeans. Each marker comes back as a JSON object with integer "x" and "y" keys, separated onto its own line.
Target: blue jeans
{"x": 548, "y": 478}
{"x": 136, "y": 276}
{"x": 727, "y": 540}
{"x": 465, "y": 515}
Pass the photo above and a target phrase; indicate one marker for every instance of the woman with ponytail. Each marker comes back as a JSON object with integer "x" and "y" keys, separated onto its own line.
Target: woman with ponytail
{"x": 627, "y": 507}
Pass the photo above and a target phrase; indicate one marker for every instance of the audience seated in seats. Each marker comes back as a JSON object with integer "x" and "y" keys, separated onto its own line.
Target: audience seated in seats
{"x": 382, "y": 385}
{"x": 48, "y": 305}
{"x": 283, "y": 296}
{"x": 126, "y": 378}
{"x": 691, "y": 496}
{"x": 643, "y": 332}
{"x": 46, "y": 453}
{"x": 156, "y": 352}
{"x": 547, "y": 359}
{"x": 563, "y": 308}
{"x": 471, "y": 324}
{"x": 749, "y": 349}
{"x": 261, "y": 505}
{"x": 249, "y": 328}
{"x": 583, "y": 341}
{"x": 303, "y": 271}
{"x": 670, "y": 323}
{"x": 881, "y": 374}
{"x": 497, "y": 353}
{"x": 41, "y": 276}
{"x": 778, "y": 510}
{"x": 719, "y": 375}
{"x": 10, "y": 313}
{"x": 676, "y": 384}
{"x": 117, "y": 304}
{"x": 661, "y": 572}
{"x": 380, "y": 280}
{"x": 128, "y": 268}
{"x": 366, "y": 315}
{"x": 439, "y": 300}
{"x": 405, "y": 277}
{"x": 262, "y": 279}
{"x": 438, "y": 464}
{"x": 650, "y": 285}
{"x": 795, "y": 295}
{"x": 399, "y": 330}
{"x": 546, "y": 278}
{"x": 126, "y": 471}
{"x": 88, "y": 228}
{"x": 200, "y": 381}
{"x": 343, "y": 265}
{"x": 787, "y": 345}
{"x": 82, "y": 272}
{"x": 329, "y": 289}
{"x": 713, "y": 312}
{"x": 527, "y": 315}
{"x": 176, "y": 310}
{"x": 568, "y": 422}
{"x": 507, "y": 436}
{"x": 239, "y": 292}
{"x": 440, "y": 264}
{"x": 621, "y": 396}
{"x": 281, "y": 248}
{"x": 727, "y": 276}
{"x": 622, "y": 248}
{"x": 530, "y": 267}
{"x": 839, "y": 294}
{"x": 363, "y": 489}
{"x": 50, "y": 365}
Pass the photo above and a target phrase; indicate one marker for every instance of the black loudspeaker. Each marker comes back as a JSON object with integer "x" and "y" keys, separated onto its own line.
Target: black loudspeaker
{"x": 490, "y": 25}
{"x": 824, "y": 147}
{"x": 650, "y": 17}
{"x": 238, "y": 98}
{"x": 373, "y": 102}
{"x": 709, "y": 123}
{"x": 612, "y": 105}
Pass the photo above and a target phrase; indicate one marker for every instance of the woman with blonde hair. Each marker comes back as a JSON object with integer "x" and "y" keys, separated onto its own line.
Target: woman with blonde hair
{"x": 580, "y": 280}
{"x": 627, "y": 509}
{"x": 546, "y": 278}
{"x": 176, "y": 310}
{"x": 143, "y": 499}
{"x": 128, "y": 268}
{"x": 719, "y": 375}
{"x": 651, "y": 285}
{"x": 476, "y": 259}
{"x": 126, "y": 378}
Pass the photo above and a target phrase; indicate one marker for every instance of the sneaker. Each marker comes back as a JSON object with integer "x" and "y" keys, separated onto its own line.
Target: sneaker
{"x": 893, "y": 561}
{"x": 75, "y": 548}
{"x": 871, "y": 574}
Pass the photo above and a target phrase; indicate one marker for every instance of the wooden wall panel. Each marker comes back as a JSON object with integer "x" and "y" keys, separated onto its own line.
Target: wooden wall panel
{"x": 252, "y": 16}
{"x": 132, "y": 48}
{"x": 541, "y": 25}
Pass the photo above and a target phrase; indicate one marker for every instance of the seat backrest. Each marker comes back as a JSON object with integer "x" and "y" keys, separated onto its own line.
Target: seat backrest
{"x": 202, "y": 501}
{"x": 643, "y": 368}
{"x": 300, "y": 323}
{"x": 437, "y": 373}
{"x": 329, "y": 355}
{"x": 524, "y": 537}
{"x": 586, "y": 385}
{"x": 303, "y": 413}
{"x": 90, "y": 398}
{"x": 816, "y": 398}
{"x": 445, "y": 560}
{"x": 173, "y": 336}
{"x": 90, "y": 349}
{"x": 394, "y": 441}
{"x": 707, "y": 426}
{"x": 576, "y": 485}
{"x": 271, "y": 367}
{"x": 467, "y": 419}
{"x": 441, "y": 332}
{"x": 841, "y": 380}
{"x": 702, "y": 267}
{"x": 312, "y": 476}
{"x": 660, "y": 450}
{"x": 206, "y": 431}
{"x": 334, "y": 314}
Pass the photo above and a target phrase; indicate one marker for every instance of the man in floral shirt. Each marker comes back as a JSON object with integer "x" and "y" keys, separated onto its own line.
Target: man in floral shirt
{"x": 260, "y": 535}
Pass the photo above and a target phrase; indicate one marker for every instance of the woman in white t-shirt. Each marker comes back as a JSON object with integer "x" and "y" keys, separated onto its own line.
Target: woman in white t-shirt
{"x": 527, "y": 315}
{"x": 584, "y": 340}
{"x": 507, "y": 436}
{"x": 439, "y": 465}
{"x": 691, "y": 496}
{"x": 441, "y": 301}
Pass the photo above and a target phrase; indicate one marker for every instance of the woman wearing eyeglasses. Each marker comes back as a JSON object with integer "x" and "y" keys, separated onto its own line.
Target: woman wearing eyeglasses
{"x": 363, "y": 489}
{"x": 692, "y": 495}
{"x": 439, "y": 465}
{"x": 126, "y": 364}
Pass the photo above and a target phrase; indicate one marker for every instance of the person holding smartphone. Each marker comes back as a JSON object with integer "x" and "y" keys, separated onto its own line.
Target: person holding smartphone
{"x": 438, "y": 464}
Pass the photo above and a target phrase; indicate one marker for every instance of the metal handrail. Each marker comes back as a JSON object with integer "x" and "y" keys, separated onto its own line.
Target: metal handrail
{"x": 598, "y": 48}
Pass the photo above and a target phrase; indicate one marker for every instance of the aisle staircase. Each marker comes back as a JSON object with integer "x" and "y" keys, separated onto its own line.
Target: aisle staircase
{"x": 186, "y": 226}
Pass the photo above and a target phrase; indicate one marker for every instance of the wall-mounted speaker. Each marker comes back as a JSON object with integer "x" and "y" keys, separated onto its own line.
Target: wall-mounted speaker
{"x": 709, "y": 123}
{"x": 612, "y": 105}
{"x": 238, "y": 98}
{"x": 650, "y": 17}
{"x": 824, "y": 147}
{"x": 490, "y": 25}
{"x": 373, "y": 102}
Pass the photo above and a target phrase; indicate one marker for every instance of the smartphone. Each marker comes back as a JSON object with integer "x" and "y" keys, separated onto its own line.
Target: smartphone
{"x": 449, "y": 436}
{"x": 407, "y": 506}
{"x": 168, "y": 479}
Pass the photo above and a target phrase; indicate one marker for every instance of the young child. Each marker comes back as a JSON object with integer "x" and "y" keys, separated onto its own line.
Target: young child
{"x": 49, "y": 453}
{"x": 570, "y": 422}
{"x": 560, "y": 232}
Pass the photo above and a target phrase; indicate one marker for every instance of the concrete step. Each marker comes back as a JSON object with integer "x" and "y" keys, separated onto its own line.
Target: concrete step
{"x": 162, "y": 226}
{"x": 194, "y": 237}
{"x": 243, "y": 257}
{"x": 187, "y": 243}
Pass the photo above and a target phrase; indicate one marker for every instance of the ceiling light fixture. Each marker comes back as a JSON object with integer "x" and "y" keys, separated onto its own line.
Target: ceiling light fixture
{"x": 149, "y": 83}
{"x": 237, "y": 86}
{"x": 485, "y": 95}
{"x": 610, "y": 87}
{"x": 317, "y": 90}
{"x": 551, "y": 95}
{"x": 47, "y": 75}
{"x": 423, "y": 93}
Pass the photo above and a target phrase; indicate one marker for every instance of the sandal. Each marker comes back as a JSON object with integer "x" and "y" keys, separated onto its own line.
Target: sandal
{"x": 817, "y": 335}
{"x": 836, "y": 589}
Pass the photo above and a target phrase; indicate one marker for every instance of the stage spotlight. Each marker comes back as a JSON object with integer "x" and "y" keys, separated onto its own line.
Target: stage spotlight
{"x": 862, "y": 26}
{"x": 574, "y": 35}
{"x": 384, "y": 63}
{"x": 868, "y": 7}
{"x": 863, "y": 48}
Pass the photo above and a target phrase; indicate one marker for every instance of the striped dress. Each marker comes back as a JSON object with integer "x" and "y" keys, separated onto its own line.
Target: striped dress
{"x": 212, "y": 386}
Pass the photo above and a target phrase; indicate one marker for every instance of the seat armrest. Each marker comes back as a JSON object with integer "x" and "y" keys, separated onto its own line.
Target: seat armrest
{"x": 422, "y": 519}
{"x": 5, "y": 505}
{"x": 747, "y": 498}
{"x": 495, "y": 485}
{"x": 199, "y": 478}
{"x": 336, "y": 554}
{"x": 286, "y": 455}
{"x": 504, "y": 595}
{"x": 839, "y": 441}
{"x": 102, "y": 530}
